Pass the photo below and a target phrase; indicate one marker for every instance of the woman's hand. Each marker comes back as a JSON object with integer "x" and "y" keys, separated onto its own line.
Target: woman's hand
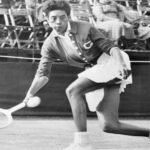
{"x": 125, "y": 72}
{"x": 26, "y": 99}
{"x": 36, "y": 85}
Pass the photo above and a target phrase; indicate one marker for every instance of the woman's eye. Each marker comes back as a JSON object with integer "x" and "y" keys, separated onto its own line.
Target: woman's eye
{"x": 52, "y": 19}
{"x": 62, "y": 17}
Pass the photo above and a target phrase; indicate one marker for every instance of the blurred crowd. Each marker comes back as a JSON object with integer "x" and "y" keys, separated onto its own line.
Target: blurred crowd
{"x": 122, "y": 21}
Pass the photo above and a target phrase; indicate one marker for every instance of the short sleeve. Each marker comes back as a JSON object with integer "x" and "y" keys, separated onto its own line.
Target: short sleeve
{"x": 102, "y": 42}
{"x": 96, "y": 34}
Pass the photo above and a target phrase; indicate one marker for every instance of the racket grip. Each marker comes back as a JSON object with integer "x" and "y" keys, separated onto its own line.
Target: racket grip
{"x": 17, "y": 107}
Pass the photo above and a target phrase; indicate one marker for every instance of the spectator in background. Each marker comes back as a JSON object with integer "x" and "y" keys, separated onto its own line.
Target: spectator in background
{"x": 34, "y": 7}
{"x": 137, "y": 18}
{"x": 110, "y": 17}
{"x": 6, "y": 3}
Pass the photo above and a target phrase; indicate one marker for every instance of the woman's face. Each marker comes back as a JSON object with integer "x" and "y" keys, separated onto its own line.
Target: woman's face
{"x": 58, "y": 20}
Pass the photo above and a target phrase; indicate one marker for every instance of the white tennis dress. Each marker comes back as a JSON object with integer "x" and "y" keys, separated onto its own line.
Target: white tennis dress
{"x": 106, "y": 69}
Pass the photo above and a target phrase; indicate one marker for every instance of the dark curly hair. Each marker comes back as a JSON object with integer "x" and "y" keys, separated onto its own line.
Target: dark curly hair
{"x": 50, "y": 5}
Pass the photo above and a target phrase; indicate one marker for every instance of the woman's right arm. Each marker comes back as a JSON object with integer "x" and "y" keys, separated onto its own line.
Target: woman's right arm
{"x": 41, "y": 78}
{"x": 42, "y": 74}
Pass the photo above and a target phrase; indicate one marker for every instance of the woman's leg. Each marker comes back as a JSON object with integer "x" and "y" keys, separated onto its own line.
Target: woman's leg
{"x": 107, "y": 112}
{"x": 75, "y": 93}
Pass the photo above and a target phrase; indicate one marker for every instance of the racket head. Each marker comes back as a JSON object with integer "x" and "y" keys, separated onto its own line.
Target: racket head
{"x": 5, "y": 118}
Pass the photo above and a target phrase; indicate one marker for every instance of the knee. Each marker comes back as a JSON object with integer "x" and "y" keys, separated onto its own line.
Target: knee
{"x": 69, "y": 91}
{"x": 110, "y": 127}
{"x": 107, "y": 125}
{"x": 72, "y": 91}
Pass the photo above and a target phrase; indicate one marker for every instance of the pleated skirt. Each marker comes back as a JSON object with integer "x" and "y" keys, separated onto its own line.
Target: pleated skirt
{"x": 106, "y": 69}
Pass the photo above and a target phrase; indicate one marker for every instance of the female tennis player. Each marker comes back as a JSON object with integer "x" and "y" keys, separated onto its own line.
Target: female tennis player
{"x": 107, "y": 72}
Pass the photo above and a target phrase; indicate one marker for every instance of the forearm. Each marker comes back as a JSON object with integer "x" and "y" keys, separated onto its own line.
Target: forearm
{"x": 37, "y": 84}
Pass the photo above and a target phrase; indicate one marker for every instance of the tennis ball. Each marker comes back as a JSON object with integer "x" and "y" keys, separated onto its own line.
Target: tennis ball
{"x": 34, "y": 102}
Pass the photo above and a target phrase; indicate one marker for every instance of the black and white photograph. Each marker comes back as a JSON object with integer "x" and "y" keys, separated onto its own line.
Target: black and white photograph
{"x": 74, "y": 74}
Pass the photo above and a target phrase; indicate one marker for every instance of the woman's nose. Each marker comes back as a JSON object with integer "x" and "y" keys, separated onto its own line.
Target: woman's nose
{"x": 58, "y": 20}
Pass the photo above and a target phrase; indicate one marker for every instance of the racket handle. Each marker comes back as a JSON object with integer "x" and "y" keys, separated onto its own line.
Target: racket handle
{"x": 17, "y": 107}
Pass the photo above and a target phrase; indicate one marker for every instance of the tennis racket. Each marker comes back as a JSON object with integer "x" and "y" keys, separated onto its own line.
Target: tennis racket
{"x": 6, "y": 114}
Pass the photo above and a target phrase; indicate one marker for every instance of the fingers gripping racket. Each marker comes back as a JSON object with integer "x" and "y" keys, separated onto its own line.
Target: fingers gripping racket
{"x": 6, "y": 114}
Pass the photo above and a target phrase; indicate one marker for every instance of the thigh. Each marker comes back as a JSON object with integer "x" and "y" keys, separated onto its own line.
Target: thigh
{"x": 84, "y": 85}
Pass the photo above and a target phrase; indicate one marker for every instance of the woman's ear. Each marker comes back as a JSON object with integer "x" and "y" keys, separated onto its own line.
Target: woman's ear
{"x": 69, "y": 17}
{"x": 44, "y": 15}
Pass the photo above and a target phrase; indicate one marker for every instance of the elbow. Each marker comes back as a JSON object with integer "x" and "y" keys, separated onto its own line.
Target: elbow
{"x": 42, "y": 76}
{"x": 42, "y": 79}
{"x": 46, "y": 79}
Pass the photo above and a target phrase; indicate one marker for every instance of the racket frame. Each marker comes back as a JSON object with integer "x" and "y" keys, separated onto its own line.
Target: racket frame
{"x": 8, "y": 113}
